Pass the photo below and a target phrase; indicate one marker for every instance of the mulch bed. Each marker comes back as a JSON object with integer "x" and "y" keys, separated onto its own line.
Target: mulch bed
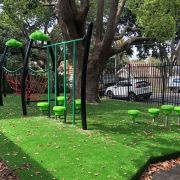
{"x": 161, "y": 166}
{"x": 6, "y": 173}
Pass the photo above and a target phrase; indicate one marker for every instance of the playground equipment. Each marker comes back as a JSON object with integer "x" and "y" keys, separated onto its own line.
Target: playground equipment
{"x": 34, "y": 83}
{"x": 28, "y": 83}
{"x": 12, "y": 76}
{"x": 36, "y": 36}
{"x": 60, "y": 100}
{"x": 60, "y": 111}
{"x": 78, "y": 104}
{"x": 177, "y": 110}
{"x": 154, "y": 112}
{"x": 43, "y": 106}
{"x": 134, "y": 114}
{"x": 60, "y": 104}
{"x": 167, "y": 110}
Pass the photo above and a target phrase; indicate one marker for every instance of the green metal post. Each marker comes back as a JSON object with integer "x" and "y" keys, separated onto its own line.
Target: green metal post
{"x": 65, "y": 82}
{"x": 49, "y": 81}
{"x": 55, "y": 75}
{"x": 74, "y": 82}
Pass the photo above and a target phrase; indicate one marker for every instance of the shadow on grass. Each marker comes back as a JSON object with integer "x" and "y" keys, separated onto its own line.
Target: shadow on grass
{"x": 12, "y": 108}
{"x": 20, "y": 162}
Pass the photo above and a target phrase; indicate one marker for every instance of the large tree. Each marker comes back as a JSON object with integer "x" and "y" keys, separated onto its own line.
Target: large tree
{"x": 127, "y": 22}
{"x": 73, "y": 15}
{"x": 160, "y": 20}
{"x": 72, "y": 18}
{"x": 20, "y": 18}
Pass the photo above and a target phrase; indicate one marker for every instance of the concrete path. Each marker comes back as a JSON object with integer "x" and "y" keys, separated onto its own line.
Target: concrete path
{"x": 172, "y": 174}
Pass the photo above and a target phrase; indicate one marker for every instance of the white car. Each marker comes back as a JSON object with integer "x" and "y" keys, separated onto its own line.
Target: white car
{"x": 174, "y": 83}
{"x": 133, "y": 89}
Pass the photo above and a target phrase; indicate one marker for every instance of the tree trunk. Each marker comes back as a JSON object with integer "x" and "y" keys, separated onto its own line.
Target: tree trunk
{"x": 93, "y": 75}
{"x": 94, "y": 70}
{"x": 72, "y": 21}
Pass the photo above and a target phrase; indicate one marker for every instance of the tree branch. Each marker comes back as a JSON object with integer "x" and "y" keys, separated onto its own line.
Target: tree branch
{"x": 129, "y": 42}
{"x": 85, "y": 7}
{"x": 111, "y": 26}
{"x": 99, "y": 20}
{"x": 177, "y": 52}
{"x": 68, "y": 13}
{"x": 120, "y": 10}
{"x": 73, "y": 18}
{"x": 125, "y": 30}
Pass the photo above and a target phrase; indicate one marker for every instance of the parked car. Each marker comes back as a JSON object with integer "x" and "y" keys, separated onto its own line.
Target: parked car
{"x": 174, "y": 83}
{"x": 134, "y": 89}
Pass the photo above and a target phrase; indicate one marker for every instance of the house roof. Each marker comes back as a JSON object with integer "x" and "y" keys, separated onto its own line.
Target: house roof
{"x": 140, "y": 70}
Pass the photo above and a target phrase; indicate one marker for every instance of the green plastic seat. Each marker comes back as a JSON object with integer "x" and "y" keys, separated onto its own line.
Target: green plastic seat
{"x": 154, "y": 112}
{"x": 78, "y": 104}
{"x": 134, "y": 114}
{"x": 167, "y": 110}
{"x": 59, "y": 110}
{"x": 60, "y": 100}
{"x": 43, "y": 106}
{"x": 177, "y": 110}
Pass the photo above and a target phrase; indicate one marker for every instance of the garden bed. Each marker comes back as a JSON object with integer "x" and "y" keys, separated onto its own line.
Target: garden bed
{"x": 6, "y": 173}
{"x": 163, "y": 170}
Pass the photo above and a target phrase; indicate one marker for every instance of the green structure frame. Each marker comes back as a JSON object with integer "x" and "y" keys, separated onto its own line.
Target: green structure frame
{"x": 56, "y": 46}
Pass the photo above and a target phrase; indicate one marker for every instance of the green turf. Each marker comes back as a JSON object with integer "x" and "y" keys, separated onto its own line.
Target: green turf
{"x": 113, "y": 148}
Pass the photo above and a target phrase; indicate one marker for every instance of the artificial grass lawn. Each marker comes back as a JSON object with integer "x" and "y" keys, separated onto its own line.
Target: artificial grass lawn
{"x": 113, "y": 148}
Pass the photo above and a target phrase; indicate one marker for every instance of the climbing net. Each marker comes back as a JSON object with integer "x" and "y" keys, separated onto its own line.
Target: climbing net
{"x": 36, "y": 82}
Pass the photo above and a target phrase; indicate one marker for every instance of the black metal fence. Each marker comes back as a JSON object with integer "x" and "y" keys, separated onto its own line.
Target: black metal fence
{"x": 150, "y": 83}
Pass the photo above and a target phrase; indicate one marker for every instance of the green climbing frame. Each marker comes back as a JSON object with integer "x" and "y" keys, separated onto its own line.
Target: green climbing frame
{"x": 59, "y": 100}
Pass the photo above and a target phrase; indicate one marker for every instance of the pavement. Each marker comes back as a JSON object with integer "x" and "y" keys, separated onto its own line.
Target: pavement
{"x": 172, "y": 174}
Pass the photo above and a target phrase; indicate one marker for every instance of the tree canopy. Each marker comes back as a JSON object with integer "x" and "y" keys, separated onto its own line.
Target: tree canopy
{"x": 118, "y": 24}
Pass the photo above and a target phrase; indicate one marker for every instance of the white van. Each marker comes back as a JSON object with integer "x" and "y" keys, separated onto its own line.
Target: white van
{"x": 174, "y": 83}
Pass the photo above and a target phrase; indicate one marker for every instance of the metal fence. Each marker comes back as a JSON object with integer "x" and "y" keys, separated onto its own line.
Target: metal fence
{"x": 150, "y": 83}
